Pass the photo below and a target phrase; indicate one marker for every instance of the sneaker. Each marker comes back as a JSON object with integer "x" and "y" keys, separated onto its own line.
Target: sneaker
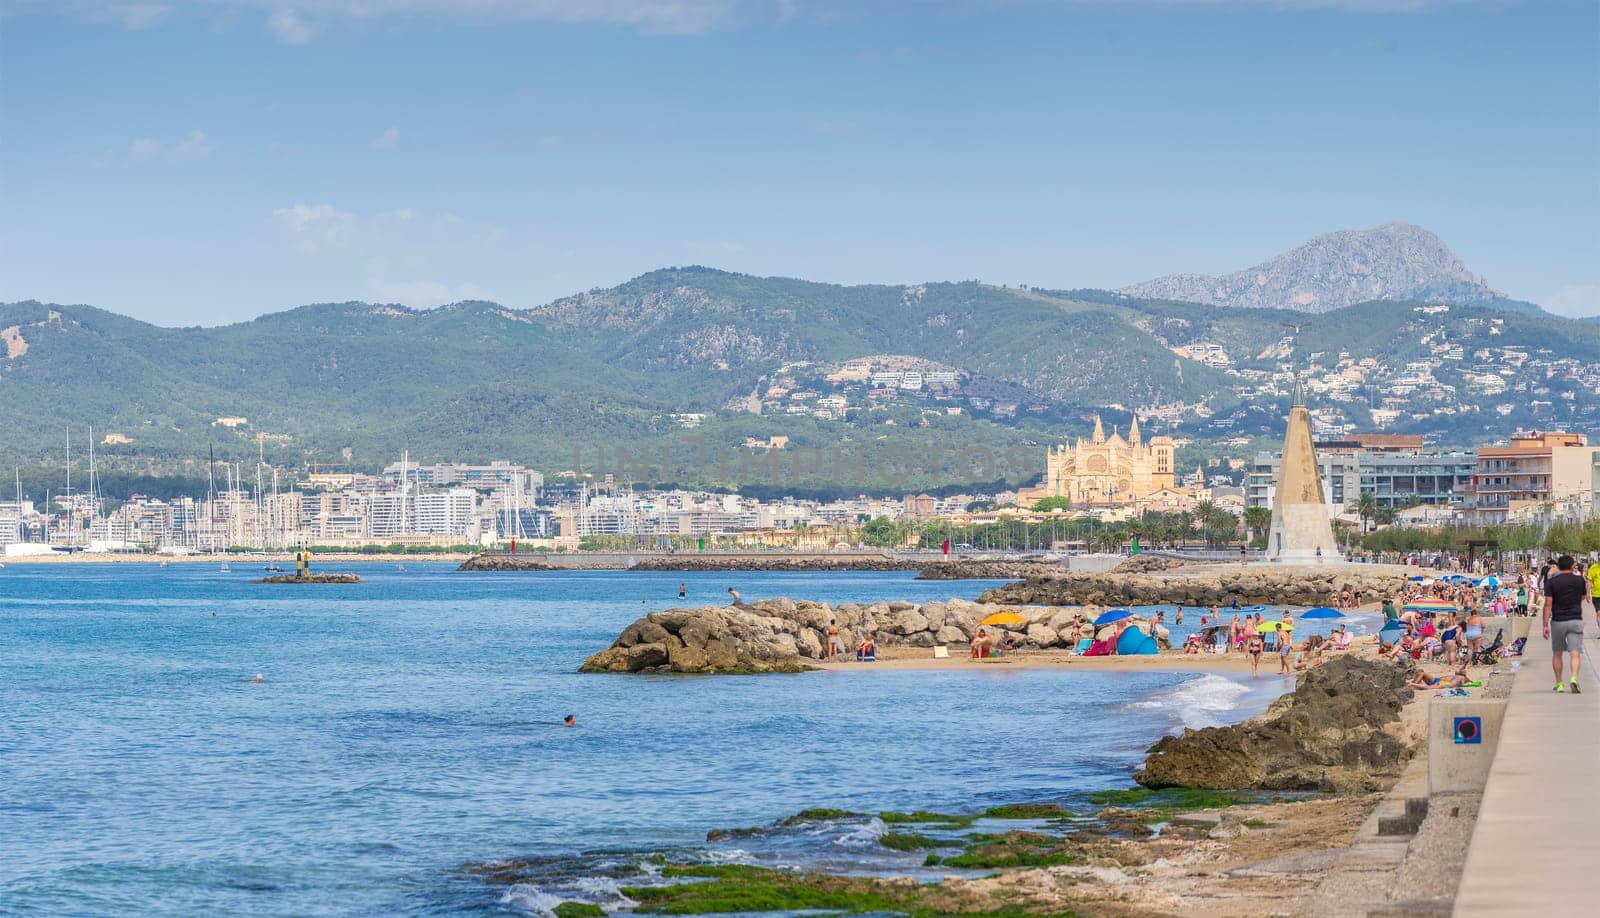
{"x": 1558, "y": 688}
{"x": 1573, "y": 687}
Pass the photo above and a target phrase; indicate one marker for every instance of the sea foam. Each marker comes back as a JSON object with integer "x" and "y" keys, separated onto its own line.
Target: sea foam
{"x": 1205, "y": 701}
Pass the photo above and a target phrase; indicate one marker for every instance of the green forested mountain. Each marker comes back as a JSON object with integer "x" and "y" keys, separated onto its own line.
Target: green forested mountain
{"x": 674, "y": 362}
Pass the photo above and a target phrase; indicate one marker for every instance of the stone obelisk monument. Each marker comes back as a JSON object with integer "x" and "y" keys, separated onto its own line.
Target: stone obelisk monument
{"x": 1301, "y": 532}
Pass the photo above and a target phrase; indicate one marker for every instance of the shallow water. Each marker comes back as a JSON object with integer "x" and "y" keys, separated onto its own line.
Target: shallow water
{"x": 406, "y": 728}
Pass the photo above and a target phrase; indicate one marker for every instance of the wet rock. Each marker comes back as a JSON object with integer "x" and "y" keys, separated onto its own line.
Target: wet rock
{"x": 1338, "y": 731}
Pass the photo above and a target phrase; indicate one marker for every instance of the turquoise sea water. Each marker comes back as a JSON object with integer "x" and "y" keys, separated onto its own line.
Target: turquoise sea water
{"x": 406, "y": 729}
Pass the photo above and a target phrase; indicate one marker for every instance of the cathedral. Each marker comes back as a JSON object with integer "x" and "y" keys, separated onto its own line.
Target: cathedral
{"x": 1108, "y": 470}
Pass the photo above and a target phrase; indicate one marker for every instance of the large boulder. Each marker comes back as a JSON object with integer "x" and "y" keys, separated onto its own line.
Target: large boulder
{"x": 908, "y": 622}
{"x": 1043, "y": 635}
{"x": 1338, "y": 731}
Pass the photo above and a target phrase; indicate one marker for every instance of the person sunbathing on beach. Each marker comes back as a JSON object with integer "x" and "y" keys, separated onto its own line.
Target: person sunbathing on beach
{"x": 980, "y": 645}
{"x": 1008, "y": 643}
{"x": 1424, "y": 681}
{"x": 866, "y": 649}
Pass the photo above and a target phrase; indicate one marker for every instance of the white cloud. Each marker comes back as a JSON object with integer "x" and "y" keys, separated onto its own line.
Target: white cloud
{"x": 421, "y": 294}
{"x": 137, "y": 16}
{"x": 387, "y": 140}
{"x": 286, "y": 25}
{"x": 316, "y": 228}
{"x": 194, "y": 146}
{"x": 1575, "y": 300}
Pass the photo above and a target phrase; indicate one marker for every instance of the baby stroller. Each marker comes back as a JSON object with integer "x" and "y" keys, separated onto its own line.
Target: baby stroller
{"x": 1491, "y": 655}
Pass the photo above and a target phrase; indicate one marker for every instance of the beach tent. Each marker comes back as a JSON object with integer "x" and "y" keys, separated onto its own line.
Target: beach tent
{"x": 1391, "y": 633}
{"x": 1115, "y": 615}
{"x": 1134, "y": 641}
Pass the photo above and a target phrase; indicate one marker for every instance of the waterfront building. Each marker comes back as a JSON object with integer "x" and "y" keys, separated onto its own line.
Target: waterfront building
{"x": 1393, "y": 478}
{"x": 451, "y": 511}
{"x": 1539, "y": 477}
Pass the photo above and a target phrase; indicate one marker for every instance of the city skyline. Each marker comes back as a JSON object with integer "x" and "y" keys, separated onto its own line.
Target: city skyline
{"x": 213, "y": 161}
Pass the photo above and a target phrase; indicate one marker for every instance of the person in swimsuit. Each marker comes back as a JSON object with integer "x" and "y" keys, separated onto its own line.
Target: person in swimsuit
{"x": 1254, "y": 647}
{"x": 835, "y": 646}
{"x": 1474, "y": 634}
{"x": 1285, "y": 644}
{"x": 683, "y": 591}
{"x": 1424, "y": 681}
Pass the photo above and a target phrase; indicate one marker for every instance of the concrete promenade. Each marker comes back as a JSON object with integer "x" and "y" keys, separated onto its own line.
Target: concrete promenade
{"x": 1536, "y": 847}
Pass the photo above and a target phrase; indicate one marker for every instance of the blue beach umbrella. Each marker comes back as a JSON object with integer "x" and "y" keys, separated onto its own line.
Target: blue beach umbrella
{"x": 1115, "y": 615}
{"x": 1489, "y": 581}
{"x": 1322, "y": 612}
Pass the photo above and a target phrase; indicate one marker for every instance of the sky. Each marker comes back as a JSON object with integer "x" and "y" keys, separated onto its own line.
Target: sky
{"x": 206, "y": 161}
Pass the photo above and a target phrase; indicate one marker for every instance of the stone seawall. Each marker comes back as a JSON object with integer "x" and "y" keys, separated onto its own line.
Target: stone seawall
{"x": 1209, "y": 585}
{"x": 989, "y": 570}
{"x": 781, "y": 635}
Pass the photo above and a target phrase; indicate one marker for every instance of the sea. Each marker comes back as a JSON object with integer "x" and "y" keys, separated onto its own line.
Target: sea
{"x": 405, "y": 733}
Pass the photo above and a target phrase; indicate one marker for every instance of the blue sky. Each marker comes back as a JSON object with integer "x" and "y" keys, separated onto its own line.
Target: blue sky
{"x": 204, "y": 161}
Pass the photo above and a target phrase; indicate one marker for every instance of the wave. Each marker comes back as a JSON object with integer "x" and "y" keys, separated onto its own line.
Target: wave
{"x": 864, "y": 835}
{"x": 530, "y": 899}
{"x": 1206, "y": 701}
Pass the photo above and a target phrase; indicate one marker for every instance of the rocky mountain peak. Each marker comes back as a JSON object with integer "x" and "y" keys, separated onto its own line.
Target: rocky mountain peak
{"x": 1395, "y": 261}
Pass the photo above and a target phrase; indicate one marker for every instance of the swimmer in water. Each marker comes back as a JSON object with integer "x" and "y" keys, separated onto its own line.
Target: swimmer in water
{"x": 571, "y": 720}
{"x": 258, "y": 679}
{"x": 683, "y": 591}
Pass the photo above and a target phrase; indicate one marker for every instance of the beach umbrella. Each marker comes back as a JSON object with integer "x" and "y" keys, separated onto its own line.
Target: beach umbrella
{"x": 1429, "y": 605}
{"x": 1115, "y": 615}
{"x": 1004, "y": 618}
{"x": 1322, "y": 612}
{"x": 1489, "y": 581}
{"x": 1269, "y": 627}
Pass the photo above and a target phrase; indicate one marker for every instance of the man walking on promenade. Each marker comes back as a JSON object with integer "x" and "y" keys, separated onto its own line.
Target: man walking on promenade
{"x": 1564, "y": 592}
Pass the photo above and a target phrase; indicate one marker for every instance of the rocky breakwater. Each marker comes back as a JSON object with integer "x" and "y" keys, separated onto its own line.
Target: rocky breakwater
{"x": 1338, "y": 731}
{"x": 497, "y": 562}
{"x": 976, "y": 569}
{"x": 1202, "y": 585}
{"x": 777, "y": 562}
{"x": 782, "y": 635}
{"x": 310, "y": 578}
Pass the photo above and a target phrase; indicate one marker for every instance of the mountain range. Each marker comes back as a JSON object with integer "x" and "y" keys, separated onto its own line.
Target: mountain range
{"x": 1395, "y": 261}
{"x": 686, "y": 365}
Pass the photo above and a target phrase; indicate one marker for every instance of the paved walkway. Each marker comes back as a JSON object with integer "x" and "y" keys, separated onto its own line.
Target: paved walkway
{"x": 1536, "y": 848}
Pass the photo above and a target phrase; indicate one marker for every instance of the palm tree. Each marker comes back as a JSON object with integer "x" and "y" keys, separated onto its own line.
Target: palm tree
{"x": 1366, "y": 508}
{"x": 1257, "y": 520}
